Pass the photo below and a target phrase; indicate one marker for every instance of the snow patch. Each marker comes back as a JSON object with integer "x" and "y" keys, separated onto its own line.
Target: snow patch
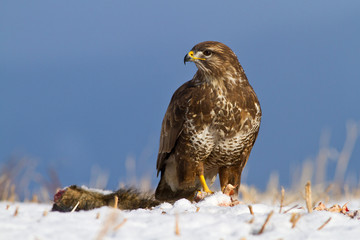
{"x": 216, "y": 199}
{"x": 203, "y": 220}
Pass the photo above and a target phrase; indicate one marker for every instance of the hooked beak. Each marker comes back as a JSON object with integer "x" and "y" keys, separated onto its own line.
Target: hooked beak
{"x": 187, "y": 58}
{"x": 190, "y": 57}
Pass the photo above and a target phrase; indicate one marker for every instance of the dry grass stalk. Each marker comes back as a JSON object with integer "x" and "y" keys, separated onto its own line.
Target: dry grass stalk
{"x": 352, "y": 132}
{"x": 251, "y": 210}
{"x": 7, "y": 206}
{"x": 249, "y": 194}
{"x": 328, "y": 188}
{"x": 322, "y": 226}
{"x": 266, "y": 222}
{"x": 12, "y": 193}
{"x": 116, "y": 202}
{"x": 21, "y": 172}
{"x": 308, "y": 196}
{"x": 108, "y": 223}
{"x": 35, "y": 199}
{"x": 252, "y": 213}
{"x": 197, "y": 209}
{"x": 45, "y": 213}
{"x": 5, "y": 182}
{"x": 294, "y": 219}
{"x": 282, "y": 199}
{"x": 295, "y": 206}
{"x": 272, "y": 187}
{"x": 97, "y": 216}
{"x": 117, "y": 227}
{"x": 16, "y": 211}
{"x": 251, "y": 221}
{"x": 73, "y": 210}
{"x": 177, "y": 229}
{"x": 324, "y": 195}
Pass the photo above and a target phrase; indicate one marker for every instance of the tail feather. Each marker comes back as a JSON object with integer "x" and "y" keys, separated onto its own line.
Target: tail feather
{"x": 165, "y": 193}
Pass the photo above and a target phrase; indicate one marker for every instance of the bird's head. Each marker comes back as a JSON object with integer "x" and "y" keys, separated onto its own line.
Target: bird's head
{"x": 214, "y": 59}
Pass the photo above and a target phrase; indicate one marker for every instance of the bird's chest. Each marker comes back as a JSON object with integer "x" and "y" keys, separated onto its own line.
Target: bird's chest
{"x": 215, "y": 113}
{"x": 210, "y": 119}
{"x": 217, "y": 126}
{"x": 229, "y": 150}
{"x": 225, "y": 116}
{"x": 210, "y": 144}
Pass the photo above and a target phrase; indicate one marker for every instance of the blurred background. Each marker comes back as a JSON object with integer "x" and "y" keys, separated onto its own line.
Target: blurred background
{"x": 84, "y": 86}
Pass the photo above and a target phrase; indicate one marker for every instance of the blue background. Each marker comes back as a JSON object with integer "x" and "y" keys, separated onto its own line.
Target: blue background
{"x": 86, "y": 83}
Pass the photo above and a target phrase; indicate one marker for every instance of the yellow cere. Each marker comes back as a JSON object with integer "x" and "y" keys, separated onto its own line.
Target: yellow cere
{"x": 191, "y": 54}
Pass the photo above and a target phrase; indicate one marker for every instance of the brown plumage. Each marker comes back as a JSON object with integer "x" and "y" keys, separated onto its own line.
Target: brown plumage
{"x": 210, "y": 126}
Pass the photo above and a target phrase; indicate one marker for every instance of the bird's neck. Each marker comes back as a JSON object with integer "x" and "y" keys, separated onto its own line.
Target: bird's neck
{"x": 227, "y": 80}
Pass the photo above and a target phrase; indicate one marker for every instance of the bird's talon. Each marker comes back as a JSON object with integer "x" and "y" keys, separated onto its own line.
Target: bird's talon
{"x": 200, "y": 195}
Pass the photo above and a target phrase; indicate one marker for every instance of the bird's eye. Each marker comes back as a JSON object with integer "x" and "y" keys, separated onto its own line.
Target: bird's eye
{"x": 207, "y": 53}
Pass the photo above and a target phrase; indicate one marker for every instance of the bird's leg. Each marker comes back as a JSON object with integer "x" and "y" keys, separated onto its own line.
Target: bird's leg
{"x": 200, "y": 173}
{"x": 230, "y": 175}
{"x": 204, "y": 185}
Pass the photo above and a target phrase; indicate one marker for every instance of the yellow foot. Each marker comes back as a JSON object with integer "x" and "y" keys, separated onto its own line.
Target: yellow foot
{"x": 199, "y": 196}
{"x": 204, "y": 185}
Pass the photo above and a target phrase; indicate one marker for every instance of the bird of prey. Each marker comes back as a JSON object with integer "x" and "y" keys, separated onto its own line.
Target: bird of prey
{"x": 210, "y": 126}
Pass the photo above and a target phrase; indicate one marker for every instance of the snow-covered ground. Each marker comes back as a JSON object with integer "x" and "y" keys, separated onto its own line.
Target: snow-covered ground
{"x": 203, "y": 220}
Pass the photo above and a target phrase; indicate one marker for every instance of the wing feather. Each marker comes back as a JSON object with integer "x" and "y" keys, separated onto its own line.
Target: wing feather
{"x": 173, "y": 122}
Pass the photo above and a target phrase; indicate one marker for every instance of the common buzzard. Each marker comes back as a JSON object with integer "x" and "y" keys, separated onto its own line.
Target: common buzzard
{"x": 210, "y": 126}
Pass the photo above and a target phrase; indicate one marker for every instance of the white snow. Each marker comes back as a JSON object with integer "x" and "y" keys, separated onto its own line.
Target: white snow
{"x": 203, "y": 220}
